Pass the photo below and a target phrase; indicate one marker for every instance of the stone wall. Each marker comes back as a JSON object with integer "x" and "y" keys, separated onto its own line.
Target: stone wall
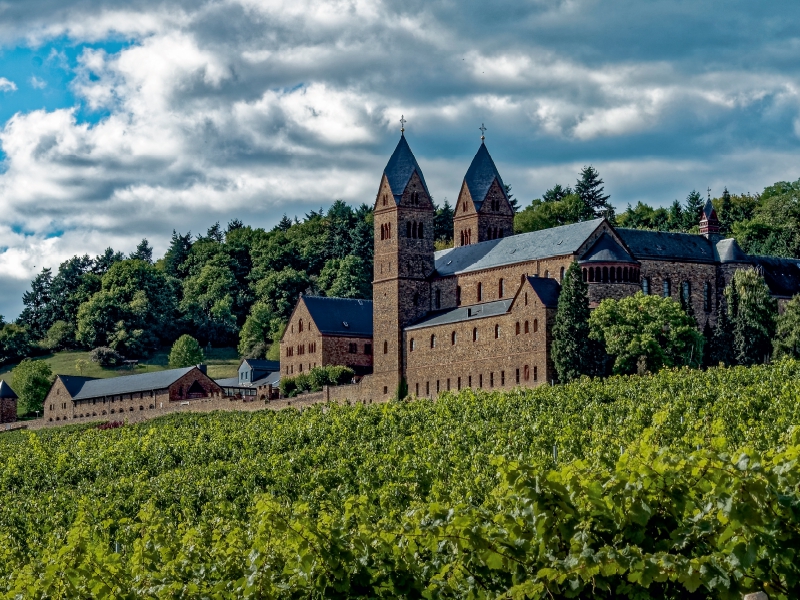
{"x": 600, "y": 291}
{"x": 337, "y": 351}
{"x": 697, "y": 274}
{"x": 301, "y": 344}
{"x": 466, "y": 218}
{"x": 8, "y": 410}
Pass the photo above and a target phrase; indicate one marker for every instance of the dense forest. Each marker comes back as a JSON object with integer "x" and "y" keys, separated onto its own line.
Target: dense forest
{"x": 236, "y": 285}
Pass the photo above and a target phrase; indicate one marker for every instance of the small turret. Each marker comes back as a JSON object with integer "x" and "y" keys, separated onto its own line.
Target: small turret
{"x": 709, "y": 223}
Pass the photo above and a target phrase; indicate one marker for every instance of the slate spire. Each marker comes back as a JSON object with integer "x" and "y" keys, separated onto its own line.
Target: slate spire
{"x": 401, "y": 166}
{"x": 709, "y": 223}
{"x": 6, "y": 391}
{"x": 481, "y": 174}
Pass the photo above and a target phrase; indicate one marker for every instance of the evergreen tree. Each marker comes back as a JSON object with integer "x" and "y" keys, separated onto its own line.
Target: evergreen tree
{"x": 143, "y": 252}
{"x": 37, "y": 315}
{"x": 675, "y": 218}
{"x": 285, "y": 224}
{"x": 443, "y": 222}
{"x": 753, "y": 311}
{"x": 511, "y": 200}
{"x": 215, "y": 234}
{"x": 722, "y": 342}
{"x": 178, "y": 252}
{"x": 233, "y": 225}
{"x": 787, "y": 338}
{"x": 556, "y": 193}
{"x": 103, "y": 262}
{"x": 571, "y": 351}
{"x": 693, "y": 210}
{"x": 31, "y": 380}
{"x": 362, "y": 244}
{"x": 340, "y": 227}
{"x": 708, "y": 345}
{"x": 590, "y": 188}
{"x": 726, "y": 212}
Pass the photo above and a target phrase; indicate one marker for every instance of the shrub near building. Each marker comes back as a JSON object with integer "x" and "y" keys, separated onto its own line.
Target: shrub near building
{"x": 315, "y": 379}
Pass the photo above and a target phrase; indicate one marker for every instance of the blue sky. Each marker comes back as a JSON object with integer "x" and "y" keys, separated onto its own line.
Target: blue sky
{"x": 123, "y": 120}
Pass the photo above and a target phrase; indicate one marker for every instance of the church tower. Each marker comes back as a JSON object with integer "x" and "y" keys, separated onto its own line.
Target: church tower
{"x": 483, "y": 211}
{"x": 403, "y": 262}
{"x": 709, "y": 223}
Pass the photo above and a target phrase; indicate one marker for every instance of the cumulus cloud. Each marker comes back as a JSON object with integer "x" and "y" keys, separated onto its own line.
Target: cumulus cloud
{"x": 220, "y": 109}
{"x": 7, "y": 86}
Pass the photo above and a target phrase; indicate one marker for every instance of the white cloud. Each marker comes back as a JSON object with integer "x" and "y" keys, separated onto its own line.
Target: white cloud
{"x": 37, "y": 83}
{"x": 7, "y": 86}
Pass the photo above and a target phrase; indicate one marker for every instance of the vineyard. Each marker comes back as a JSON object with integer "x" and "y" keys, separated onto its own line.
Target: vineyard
{"x": 683, "y": 484}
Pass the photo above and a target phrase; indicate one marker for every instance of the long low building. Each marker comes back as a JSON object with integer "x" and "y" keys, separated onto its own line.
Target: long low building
{"x": 72, "y": 397}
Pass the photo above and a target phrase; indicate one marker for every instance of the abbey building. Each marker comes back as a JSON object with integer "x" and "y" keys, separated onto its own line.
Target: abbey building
{"x": 480, "y": 314}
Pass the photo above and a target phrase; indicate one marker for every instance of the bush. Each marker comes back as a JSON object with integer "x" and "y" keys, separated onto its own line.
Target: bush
{"x": 15, "y": 343}
{"x": 315, "y": 379}
{"x": 186, "y": 352}
{"x": 61, "y": 335}
{"x": 106, "y": 357}
{"x": 31, "y": 380}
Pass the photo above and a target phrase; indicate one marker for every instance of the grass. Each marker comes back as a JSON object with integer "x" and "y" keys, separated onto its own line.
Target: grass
{"x": 222, "y": 362}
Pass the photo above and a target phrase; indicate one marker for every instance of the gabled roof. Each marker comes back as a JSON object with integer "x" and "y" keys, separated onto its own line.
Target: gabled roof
{"x": 259, "y": 364}
{"x": 6, "y": 391}
{"x": 547, "y": 289}
{"x": 401, "y": 167}
{"x": 557, "y": 241}
{"x": 481, "y": 174}
{"x": 782, "y": 275}
{"x": 606, "y": 249}
{"x": 662, "y": 245}
{"x": 464, "y": 313}
{"x": 709, "y": 212}
{"x": 730, "y": 251}
{"x": 83, "y": 387}
{"x": 341, "y": 316}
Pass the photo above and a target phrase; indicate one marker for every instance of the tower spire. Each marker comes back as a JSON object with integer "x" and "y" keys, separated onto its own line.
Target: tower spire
{"x": 402, "y": 125}
{"x": 483, "y": 130}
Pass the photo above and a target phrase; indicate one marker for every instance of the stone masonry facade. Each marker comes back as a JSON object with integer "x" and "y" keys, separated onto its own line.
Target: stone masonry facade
{"x": 8, "y": 410}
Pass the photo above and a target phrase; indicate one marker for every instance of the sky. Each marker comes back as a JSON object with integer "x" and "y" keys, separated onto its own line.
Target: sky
{"x": 122, "y": 120}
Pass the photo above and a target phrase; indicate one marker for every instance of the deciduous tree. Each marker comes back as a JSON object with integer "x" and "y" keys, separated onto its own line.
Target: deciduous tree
{"x": 186, "y": 351}
{"x": 31, "y": 380}
{"x": 753, "y": 311}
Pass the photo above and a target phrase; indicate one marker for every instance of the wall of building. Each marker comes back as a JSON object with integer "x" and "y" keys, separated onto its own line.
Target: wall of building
{"x": 302, "y": 343}
{"x": 600, "y": 291}
{"x": 8, "y": 410}
{"x": 337, "y": 351}
{"x": 697, "y": 274}
{"x": 466, "y": 218}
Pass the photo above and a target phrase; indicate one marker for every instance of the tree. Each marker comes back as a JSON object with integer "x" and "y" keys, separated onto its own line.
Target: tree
{"x": 693, "y": 210}
{"x": 590, "y": 189}
{"x": 144, "y": 252}
{"x": 81, "y": 365}
{"x": 31, "y": 380}
{"x": 511, "y": 200}
{"x": 556, "y": 193}
{"x": 37, "y": 315}
{"x": 753, "y": 311}
{"x": 186, "y": 351}
{"x": 178, "y": 252}
{"x": 787, "y": 335}
{"x": 260, "y": 332}
{"x": 721, "y": 349}
{"x": 58, "y": 336}
{"x": 443, "y": 223}
{"x": 280, "y": 290}
{"x": 347, "y": 278}
{"x": 675, "y": 219}
{"x": 646, "y": 333}
{"x": 215, "y": 233}
{"x": 571, "y": 350}
{"x": 103, "y": 262}
{"x": 285, "y": 224}
{"x": 341, "y": 221}
{"x": 208, "y": 301}
{"x": 15, "y": 343}
{"x": 544, "y": 215}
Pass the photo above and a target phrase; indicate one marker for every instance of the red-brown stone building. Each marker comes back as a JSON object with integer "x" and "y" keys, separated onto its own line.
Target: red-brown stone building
{"x": 480, "y": 314}
{"x": 83, "y": 398}
{"x": 8, "y": 403}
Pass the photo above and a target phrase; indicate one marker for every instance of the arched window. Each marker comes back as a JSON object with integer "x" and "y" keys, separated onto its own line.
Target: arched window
{"x": 686, "y": 294}
{"x": 646, "y": 286}
{"x": 385, "y": 347}
{"x": 585, "y": 274}
{"x": 526, "y": 373}
{"x": 300, "y": 326}
{"x": 527, "y": 327}
{"x": 665, "y": 288}
{"x": 517, "y": 327}
{"x": 547, "y": 274}
{"x": 496, "y": 331}
{"x": 384, "y": 199}
{"x": 535, "y": 325}
{"x": 462, "y": 237}
{"x": 605, "y": 274}
{"x": 591, "y": 274}
{"x": 438, "y": 298}
{"x": 535, "y": 373}
{"x": 383, "y": 232}
{"x": 501, "y": 233}
{"x": 412, "y": 345}
{"x": 419, "y": 231}
{"x": 458, "y": 295}
{"x": 501, "y": 288}
{"x": 408, "y": 229}
{"x": 453, "y": 338}
{"x": 561, "y": 278}
{"x": 707, "y": 297}
{"x": 480, "y": 292}
{"x": 612, "y": 275}
{"x": 433, "y": 340}
{"x": 474, "y": 334}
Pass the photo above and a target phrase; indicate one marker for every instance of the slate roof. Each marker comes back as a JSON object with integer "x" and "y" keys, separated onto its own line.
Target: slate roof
{"x": 606, "y": 249}
{"x": 6, "y": 391}
{"x": 481, "y": 174}
{"x": 273, "y": 378}
{"x": 709, "y": 212}
{"x": 341, "y": 316}
{"x": 662, "y": 245}
{"x": 259, "y": 364}
{"x": 401, "y": 167}
{"x": 229, "y": 382}
{"x": 547, "y": 289}
{"x": 523, "y": 247}
{"x": 81, "y": 388}
{"x": 782, "y": 275}
{"x": 464, "y": 313}
{"x": 729, "y": 251}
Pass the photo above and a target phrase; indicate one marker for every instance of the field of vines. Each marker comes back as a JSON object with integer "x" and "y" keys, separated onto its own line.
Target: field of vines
{"x": 681, "y": 485}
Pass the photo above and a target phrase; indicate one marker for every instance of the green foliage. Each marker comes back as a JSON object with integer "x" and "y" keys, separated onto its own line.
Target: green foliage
{"x": 315, "y": 379}
{"x": 773, "y": 226}
{"x": 60, "y": 335}
{"x": 443, "y": 223}
{"x": 571, "y": 348}
{"x": 787, "y": 335}
{"x": 31, "y": 380}
{"x": 646, "y": 333}
{"x": 675, "y": 486}
{"x": 15, "y": 343}
{"x": 541, "y": 214}
{"x": 208, "y": 298}
{"x": 106, "y": 357}
{"x": 260, "y": 330}
{"x": 186, "y": 352}
{"x": 589, "y": 188}
{"x": 402, "y": 390}
{"x": 350, "y": 277}
{"x": 280, "y": 290}
{"x": 753, "y": 311}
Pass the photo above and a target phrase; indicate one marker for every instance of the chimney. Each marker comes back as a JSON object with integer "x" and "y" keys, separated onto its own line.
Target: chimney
{"x": 203, "y": 368}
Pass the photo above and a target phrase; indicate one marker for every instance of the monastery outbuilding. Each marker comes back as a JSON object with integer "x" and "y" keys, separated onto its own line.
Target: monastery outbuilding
{"x": 480, "y": 314}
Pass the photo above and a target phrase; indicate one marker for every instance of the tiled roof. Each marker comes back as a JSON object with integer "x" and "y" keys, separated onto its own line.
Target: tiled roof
{"x": 782, "y": 275}
{"x": 515, "y": 249}
{"x": 729, "y": 251}
{"x": 547, "y": 289}
{"x": 661, "y": 245}
{"x": 127, "y": 384}
{"x": 465, "y": 313}
{"x": 708, "y": 211}
{"x": 606, "y": 249}
{"x": 6, "y": 391}
{"x": 401, "y": 167}
{"x": 341, "y": 316}
{"x": 481, "y": 174}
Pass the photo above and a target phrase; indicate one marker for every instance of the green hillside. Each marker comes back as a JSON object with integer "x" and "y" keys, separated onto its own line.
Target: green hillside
{"x": 222, "y": 362}
{"x": 684, "y": 485}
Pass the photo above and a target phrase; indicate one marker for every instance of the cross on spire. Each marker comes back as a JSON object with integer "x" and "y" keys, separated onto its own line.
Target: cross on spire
{"x": 709, "y": 193}
{"x": 402, "y": 124}
{"x": 483, "y": 129}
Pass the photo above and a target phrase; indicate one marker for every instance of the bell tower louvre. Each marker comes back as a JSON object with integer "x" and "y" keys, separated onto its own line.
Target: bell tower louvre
{"x": 403, "y": 238}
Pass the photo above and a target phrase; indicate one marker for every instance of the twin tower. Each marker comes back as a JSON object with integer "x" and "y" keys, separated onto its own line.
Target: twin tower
{"x": 404, "y": 252}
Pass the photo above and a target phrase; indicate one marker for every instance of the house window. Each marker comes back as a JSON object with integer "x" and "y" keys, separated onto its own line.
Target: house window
{"x": 433, "y": 341}
{"x": 496, "y": 331}
{"x": 412, "y": 345}
{"x": 480, "y": 292}
{"x": 665, "y": 289}
{"x": 480, "y": 380}
{"x": 535, "y": 325}
{"x": 352, "y": 348}
{"x": 427, "y": 388}
{"x": 527, "y": 327}
{"x": 517, "y": 375}
{"x": 458, "y": 295}
{"x": 416, "y": 389}
{"x": 448, "y": 384}
{"x": 367, "y": 349}
{"x": 707, "y": 297}
{"x": 300, "y": 326}
{"x": 438, "y": 298}
{"x": 502, "y": 377}
{"x": 526, "y": 373}
{"x": 686, "y": 294}
{"x": 453, "y": 338}
{"x": 501, "y": 288}
{"x": 474, "y": 334}
{"x": 535, "y": 373}
{"x": 646, "y": 286}
{"x": 469, "y": 381}
{"x": 437, "y": 386}
{"x": 517, "y": 328}
{"x": 491, "y": 379}
{"x": 420, "y": 231}
{"x": 526, "y": 298}
{"x": 562, "y": 274}
{"x": 385, "y": 347}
